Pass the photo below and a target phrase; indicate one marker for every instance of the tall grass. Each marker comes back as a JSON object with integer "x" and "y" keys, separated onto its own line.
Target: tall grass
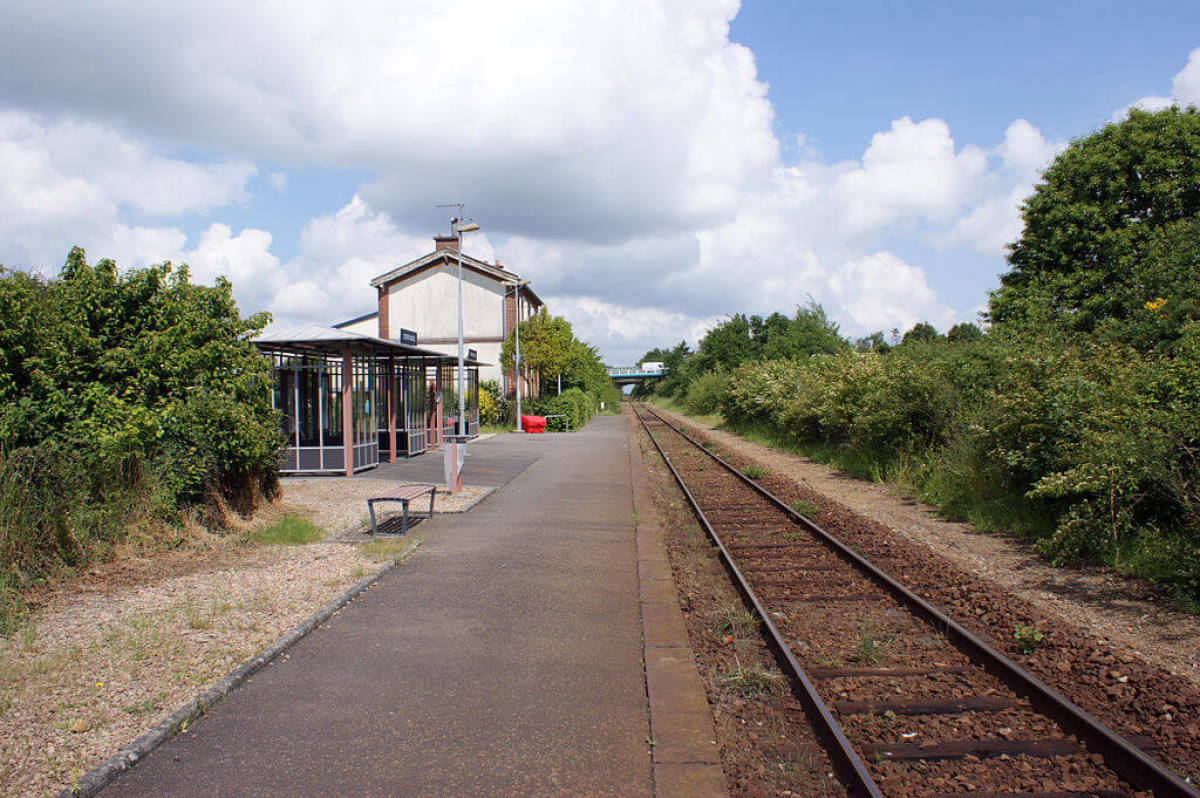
{"x": 59, "y": 511}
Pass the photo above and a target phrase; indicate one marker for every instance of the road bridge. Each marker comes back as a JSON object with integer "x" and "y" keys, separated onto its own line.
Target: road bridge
{"x": 634, "y": 375}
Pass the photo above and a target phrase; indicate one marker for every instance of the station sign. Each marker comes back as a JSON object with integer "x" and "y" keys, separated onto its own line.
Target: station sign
{"x": 408, "y": 337}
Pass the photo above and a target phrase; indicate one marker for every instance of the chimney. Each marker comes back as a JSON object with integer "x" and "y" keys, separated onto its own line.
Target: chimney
{"x": 445, "y": 242}
{"x": 498, "y": 266}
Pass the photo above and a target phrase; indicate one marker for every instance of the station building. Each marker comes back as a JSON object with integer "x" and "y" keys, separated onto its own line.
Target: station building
{"x": 384, "y": 385}
{"x": 422, "y": 295}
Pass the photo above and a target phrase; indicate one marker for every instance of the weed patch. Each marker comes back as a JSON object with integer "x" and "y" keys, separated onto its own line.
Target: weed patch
{"x": 734, "y": 619}
{"x": 750, "y": 682}
{"x": 382, "y": 550}
{"x": 1029, "y": 638}
{"x": 291, "y": 530}
{"x": 805, "y": 507}
{"x": 872, "y": 648}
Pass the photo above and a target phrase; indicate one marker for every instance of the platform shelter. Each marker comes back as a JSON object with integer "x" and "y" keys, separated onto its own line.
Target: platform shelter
{"x": 350, "y": 400}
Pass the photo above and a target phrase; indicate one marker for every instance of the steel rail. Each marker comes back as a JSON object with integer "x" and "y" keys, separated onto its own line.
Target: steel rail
{"x": 1119, "y": 754}
{"x": 845, "y": 758}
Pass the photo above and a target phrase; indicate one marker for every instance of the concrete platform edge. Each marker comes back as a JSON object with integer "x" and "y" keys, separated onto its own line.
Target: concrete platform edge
{"x": 99, "y": 777}
{"x": 686, "y": 760}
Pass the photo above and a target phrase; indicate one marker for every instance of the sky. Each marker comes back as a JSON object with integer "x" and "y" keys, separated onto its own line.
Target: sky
{"x": 652, "y": 165}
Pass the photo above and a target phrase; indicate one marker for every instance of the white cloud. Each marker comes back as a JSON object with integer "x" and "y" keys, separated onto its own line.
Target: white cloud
{"x": 643, "y": 112}
{"x": 136, "y": 177}
{"x": 995, "y": 220}
{"x": 1185, "y": 88}
{"x": 327, "y": 280}
{"x": 881, "y": 292}
{"x": 620, "y": 154}
{"x": 625, "y": 330}
{"x": 1025, "y": 150}
{"x": 992, "y": 224}
{"x": 244, "y": 258}
{"x": 138, "y": 245}
{"x": 909, "y": 173}
{"x": 70, "y": 182}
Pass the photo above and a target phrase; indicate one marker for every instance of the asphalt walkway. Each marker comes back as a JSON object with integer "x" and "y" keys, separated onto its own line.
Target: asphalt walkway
{"x": 504, "y": 659}
{"x": 491, "y": 462}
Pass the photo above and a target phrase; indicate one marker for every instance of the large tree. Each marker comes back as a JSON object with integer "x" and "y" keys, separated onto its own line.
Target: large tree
{"x": 547, "y": 345}
{"x": 1096, "y": 227}
{"x": 550, "y": 349}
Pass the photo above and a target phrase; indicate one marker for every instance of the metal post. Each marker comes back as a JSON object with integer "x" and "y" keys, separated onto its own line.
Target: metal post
{"x": 517, "y": 331}
{"x": 392, "y": 401}
{"x": 462, "y": 424}
{"x": 347, "y": 411}
{"x": 560, "y": 385}
{"x": 459, "y": 228}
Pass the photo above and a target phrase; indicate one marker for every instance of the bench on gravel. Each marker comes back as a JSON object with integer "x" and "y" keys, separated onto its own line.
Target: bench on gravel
{"x": 404, "y": 495}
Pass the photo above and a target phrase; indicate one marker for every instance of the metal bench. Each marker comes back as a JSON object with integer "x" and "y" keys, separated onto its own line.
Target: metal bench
{"x": 404, "y": 495}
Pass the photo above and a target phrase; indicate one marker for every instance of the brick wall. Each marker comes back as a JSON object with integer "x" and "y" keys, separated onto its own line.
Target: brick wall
{"x": 510, "y": 323}
{"x": 384, "y": 328}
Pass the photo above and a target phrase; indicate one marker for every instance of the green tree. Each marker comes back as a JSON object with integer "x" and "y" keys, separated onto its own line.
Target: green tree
{"x": 875, "y": 342}
{"x": 656, "y": 355}
{"x": 546, "y": 345}
{"x": 549, "y": 348}
{"x": 922, "y": 333}
{"x": 675, "y": 364}
{"x": 963, "y": 332}
{"x": 728, "y": 345}
{"x": 808, "y": 332}
{"x": 1087, "y": 253}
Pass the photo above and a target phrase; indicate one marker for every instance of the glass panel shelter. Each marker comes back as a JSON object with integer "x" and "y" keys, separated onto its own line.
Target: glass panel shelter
{"x": 348, "y": 401}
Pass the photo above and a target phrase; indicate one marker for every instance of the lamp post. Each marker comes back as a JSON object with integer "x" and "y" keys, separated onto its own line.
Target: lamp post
{"x": 461, "y": 226}
{"x": 516, "y": 286}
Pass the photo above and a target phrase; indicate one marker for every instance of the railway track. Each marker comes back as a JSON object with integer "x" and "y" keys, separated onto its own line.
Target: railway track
{"x": 901, "y": 696}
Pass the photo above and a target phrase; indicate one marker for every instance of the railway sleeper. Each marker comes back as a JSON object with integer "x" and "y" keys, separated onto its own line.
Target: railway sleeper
{"x": 985, "y": 749}
{"x": 1056, "y": 794}
{"x": 945, "y": 706}
{"x": 895, "y": 673}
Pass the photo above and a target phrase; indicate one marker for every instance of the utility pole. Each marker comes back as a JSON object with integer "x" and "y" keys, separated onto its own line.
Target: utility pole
{"x": 516, "y": 286}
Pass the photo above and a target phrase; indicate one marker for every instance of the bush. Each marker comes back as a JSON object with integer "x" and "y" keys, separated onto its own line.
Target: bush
{"x": 493, "y": 409}
{"x": 706, "y": 393}
{"x": 577, "y": 406}
{"x": 1087, "y": 446}
{"x": 124, "y": 398}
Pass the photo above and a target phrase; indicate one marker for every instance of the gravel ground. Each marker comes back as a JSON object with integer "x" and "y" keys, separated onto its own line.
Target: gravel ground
{"x": 337, "y": 503}
{"x": 110, "y": 653}
{"x": 1110, "y": 607}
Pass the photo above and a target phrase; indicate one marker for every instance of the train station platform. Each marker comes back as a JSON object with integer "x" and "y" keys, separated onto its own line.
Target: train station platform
{"x": 491, "y": 462}
{"x": 505, "y": 658}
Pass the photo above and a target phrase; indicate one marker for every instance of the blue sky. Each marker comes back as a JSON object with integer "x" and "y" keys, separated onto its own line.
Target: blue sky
{"x": 651, "y": 164}
{"x": 840, "y": 71}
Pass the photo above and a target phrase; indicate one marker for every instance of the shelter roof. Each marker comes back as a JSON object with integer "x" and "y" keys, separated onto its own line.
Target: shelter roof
{"x": 312, "y": 338}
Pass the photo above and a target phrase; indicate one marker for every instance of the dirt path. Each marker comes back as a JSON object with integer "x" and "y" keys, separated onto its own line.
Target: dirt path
{"x": 1110, "y": 607}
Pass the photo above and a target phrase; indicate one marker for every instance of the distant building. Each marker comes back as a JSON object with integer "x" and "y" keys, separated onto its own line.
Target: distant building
{"x": 422, "y": 295}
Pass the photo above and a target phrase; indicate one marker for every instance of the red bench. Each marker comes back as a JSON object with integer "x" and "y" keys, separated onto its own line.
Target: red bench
{"x": 404, "y": 495}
